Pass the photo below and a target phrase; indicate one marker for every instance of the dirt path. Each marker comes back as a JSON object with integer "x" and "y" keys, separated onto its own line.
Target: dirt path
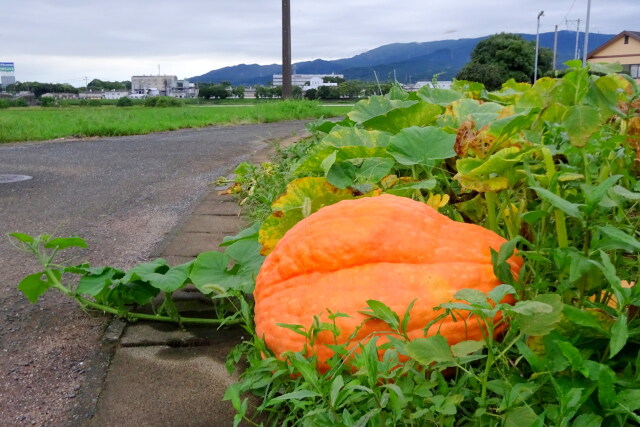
{"x": 124, "y": 196}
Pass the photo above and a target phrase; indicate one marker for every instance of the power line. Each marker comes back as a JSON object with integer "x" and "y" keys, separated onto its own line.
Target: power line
{"x": 568, "y": 11}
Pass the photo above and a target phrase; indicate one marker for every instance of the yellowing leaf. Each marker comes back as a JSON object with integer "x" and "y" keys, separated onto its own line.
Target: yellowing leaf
{"x": 302, "y": 197}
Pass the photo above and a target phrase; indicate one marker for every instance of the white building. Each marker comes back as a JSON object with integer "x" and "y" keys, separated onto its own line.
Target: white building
{"x": 303, "y": 80}
{"x": 91, "y": 94}
{"x": 441, "y": 84}
{"x": 116, "y": 94}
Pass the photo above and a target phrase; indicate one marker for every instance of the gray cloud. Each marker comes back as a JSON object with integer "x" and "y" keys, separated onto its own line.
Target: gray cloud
{"x": 66, "y": 40}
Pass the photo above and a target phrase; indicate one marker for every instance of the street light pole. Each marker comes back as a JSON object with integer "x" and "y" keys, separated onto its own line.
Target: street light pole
{"x": 287, "y": 92}
{"x": 535, "y": 67}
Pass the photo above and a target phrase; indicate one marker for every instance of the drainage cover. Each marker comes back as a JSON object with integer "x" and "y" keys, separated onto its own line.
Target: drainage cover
{"x": 9, "y": 178}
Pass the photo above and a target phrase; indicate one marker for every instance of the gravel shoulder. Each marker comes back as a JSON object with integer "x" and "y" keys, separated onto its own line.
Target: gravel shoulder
{"x": 123, "y": 195}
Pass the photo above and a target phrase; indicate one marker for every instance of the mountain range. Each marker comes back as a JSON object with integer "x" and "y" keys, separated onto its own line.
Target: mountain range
{"x": 409, "y": 62}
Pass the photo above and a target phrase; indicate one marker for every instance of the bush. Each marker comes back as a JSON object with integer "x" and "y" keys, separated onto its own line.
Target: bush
{"x": 163, "y": 101}
{"x": 47, "y": 101}
{"x": 124, "y": 102}
{"x": 5, "y": 103}
{"x": 19, "y": 102}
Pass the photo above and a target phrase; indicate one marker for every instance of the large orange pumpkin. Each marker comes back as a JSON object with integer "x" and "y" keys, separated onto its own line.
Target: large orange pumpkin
{"x": 386, "y": 248}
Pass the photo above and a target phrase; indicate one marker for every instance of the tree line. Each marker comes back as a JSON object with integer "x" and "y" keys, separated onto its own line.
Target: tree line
{"x": 39, "y": 89}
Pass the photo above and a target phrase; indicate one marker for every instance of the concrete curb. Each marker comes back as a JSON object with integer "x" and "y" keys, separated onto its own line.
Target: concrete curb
{"x": 159, "y": 374}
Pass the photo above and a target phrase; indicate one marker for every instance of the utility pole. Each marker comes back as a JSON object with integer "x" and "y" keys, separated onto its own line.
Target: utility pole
{"x": 287, "y": 92}
{"x": 585, "y": 51}
{"x": 575, "y": 54}
{"x": 535, "y": 68}
{"x": 555, "y": 48}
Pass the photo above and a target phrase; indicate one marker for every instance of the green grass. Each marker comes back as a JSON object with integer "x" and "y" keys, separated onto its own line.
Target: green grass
{"x": 35, "y": 124}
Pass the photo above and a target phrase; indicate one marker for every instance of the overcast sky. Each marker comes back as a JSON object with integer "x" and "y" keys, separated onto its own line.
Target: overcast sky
{"x": 64, "y": 41}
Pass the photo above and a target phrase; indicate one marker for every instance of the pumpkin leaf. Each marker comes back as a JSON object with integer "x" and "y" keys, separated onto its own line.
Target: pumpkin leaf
{"x": 416, "y": 145}
{"x": 438, "y": 96}
{"x": 355, "y": 137}
{"x": 210, "y": 273}
{"x": 394, "y": 121}
{"x": 92, "y": 283}
{"x": 375, "y": 106}
{"x": 288, "y": 209}
{"x": 581, "y": 121}
{"x": 34, "y": 285}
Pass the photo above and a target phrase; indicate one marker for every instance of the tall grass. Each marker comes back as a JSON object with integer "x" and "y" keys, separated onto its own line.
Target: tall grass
{"x": 35, "y": 124}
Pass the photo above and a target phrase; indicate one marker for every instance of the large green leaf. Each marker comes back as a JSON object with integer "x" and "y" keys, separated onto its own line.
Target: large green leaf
{"x": 211, "y": 273}
{"x": 320, "y": 160}
{"x": 508, "y": 126}
{"x": 581, "y": 121}
{"x": 417, "y": 145}
{"x": 470, "y": 109}
{"x": 438, "y": 96}
{"x": 418, "y": 114}
{"x": 353, "y": 136}
{"x": 359, "y": 170}
{"x": 375, "y": 106}
{"x": 158, "y": 274}
{"x": 573, "y": 87}
{"x": 302, "y": 197}
{"x": 408, "y": 189}
{"x": 93, "y": 284}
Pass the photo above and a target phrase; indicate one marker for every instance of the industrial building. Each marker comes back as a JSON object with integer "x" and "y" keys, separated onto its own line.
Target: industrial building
{"x": 163, "y": 85}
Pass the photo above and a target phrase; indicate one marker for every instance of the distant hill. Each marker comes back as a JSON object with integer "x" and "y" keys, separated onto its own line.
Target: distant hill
{"x": 410, "y": 62}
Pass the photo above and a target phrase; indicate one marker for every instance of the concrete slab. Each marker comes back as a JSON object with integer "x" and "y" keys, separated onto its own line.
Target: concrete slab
{"x": 214, "y": 223}
{"x": 157, "y": 333}
{"x": 214, "y": 194}
{"x": 218, "y": 207}
{"x": 192, "y": 244}
{"x": 165, "y": 386}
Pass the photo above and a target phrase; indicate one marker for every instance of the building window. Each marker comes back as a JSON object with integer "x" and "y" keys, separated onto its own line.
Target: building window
{"x": 634, "y": 71}
{"x": 626, "y": 39}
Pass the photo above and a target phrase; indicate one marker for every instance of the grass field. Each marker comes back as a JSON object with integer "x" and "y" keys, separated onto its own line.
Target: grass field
{"x": 35, "y": 124}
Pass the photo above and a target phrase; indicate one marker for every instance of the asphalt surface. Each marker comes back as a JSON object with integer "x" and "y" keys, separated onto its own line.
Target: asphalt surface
{"x": 125, "y": 196}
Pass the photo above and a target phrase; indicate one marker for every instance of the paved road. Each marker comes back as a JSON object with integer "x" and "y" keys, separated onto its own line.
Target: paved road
{"x": 123, "y": 195}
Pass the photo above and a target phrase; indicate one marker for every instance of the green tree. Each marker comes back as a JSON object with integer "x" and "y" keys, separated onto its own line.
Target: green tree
{"x": 238, "y": 91}
{"x": 262, "y": 92}
{"x": 311, "y": 94}
{"x": 324, "y": 92}
{"x": 219, "y": 91}
{"x": 504, "y": 56}
{"x": 351, "y": 89}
